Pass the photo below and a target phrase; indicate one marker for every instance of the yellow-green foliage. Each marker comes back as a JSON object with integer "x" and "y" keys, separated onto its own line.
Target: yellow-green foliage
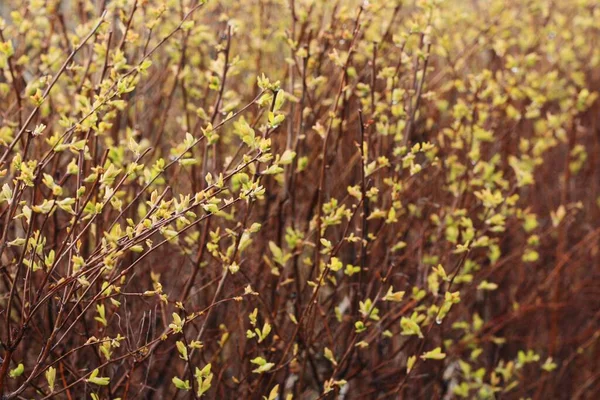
{"x": 299, "y": 198}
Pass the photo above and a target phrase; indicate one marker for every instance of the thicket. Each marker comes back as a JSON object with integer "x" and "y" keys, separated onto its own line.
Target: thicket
{"x": 299, "y": 199}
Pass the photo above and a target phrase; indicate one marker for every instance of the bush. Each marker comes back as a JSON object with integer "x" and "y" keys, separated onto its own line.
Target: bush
{"x": 299, "y": 198}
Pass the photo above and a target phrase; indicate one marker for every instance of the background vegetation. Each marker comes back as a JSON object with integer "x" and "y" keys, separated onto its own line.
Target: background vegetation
{"x": 299, "y": 199}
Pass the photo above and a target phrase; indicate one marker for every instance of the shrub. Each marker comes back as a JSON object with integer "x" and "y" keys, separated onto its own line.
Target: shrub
{"x": 301, "y": 198}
